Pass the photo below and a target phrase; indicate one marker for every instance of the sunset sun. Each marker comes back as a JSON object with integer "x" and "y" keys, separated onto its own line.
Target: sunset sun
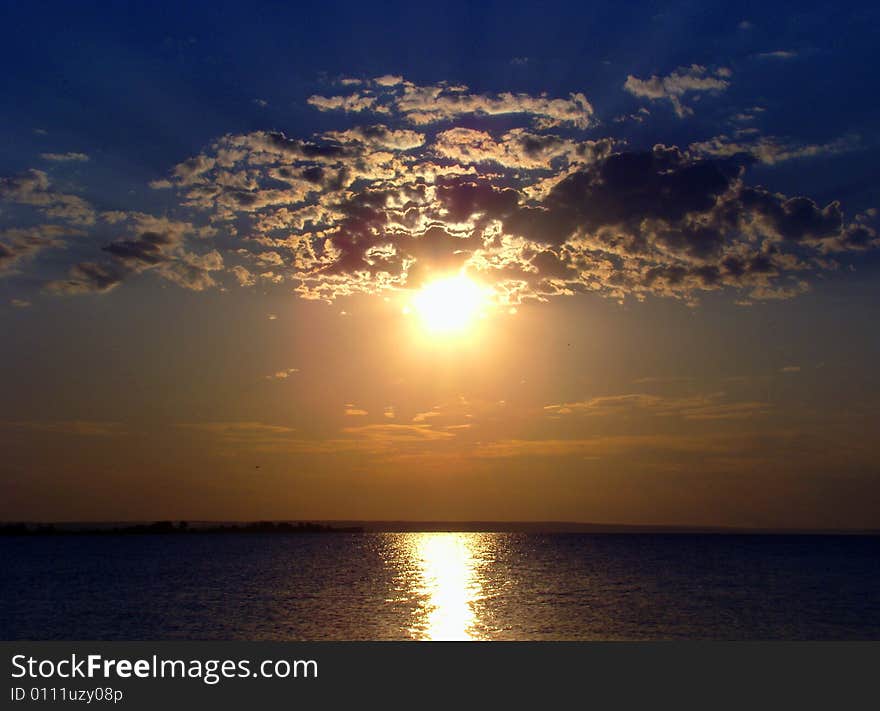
{"x": 450, "y": 305}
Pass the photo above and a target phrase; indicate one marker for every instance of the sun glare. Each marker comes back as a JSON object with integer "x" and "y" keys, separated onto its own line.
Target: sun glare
{"x": 449, "y": 306}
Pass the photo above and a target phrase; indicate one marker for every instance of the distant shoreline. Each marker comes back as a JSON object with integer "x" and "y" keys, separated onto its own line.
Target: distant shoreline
{"x": 315, "y": 527}
{"x": 180, "y": 528}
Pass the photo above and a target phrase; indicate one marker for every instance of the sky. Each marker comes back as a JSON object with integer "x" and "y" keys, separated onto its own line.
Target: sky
{"x": 595, "y": 262}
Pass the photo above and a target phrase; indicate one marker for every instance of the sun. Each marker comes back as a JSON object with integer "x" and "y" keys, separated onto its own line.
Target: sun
{"x": 450, "y": 305}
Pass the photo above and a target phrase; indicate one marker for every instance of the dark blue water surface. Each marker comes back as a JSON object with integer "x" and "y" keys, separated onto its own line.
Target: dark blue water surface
{"x": 439, "y": 586}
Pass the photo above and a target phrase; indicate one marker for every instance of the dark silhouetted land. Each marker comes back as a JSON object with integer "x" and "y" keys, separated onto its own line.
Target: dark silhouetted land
{"x": 172, "y": 528}
{"x": 308, "y": 527}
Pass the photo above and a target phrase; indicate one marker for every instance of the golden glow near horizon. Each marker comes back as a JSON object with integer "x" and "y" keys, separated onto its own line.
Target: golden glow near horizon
{"x": 449, "y": 306}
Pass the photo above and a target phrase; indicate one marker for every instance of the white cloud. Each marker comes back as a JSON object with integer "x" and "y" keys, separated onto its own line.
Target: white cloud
{"x": 673, "y": 87}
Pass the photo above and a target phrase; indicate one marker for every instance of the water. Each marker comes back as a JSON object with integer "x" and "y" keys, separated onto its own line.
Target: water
{"x": 439, "y": 586}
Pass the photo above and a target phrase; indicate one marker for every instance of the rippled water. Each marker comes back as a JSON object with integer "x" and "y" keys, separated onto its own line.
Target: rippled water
{"x": 439, "y": 586}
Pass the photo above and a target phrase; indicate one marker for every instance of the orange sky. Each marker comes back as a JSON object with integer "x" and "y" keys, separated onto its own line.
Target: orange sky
{"x": 580, "y": 410}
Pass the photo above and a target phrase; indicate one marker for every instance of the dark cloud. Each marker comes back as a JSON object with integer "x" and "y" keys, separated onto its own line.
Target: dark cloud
{"x": 88, "y": 277}
{"x": 146, "y": 249}
{"x": 19, "y": 244}
{"x": 157, "y": 244}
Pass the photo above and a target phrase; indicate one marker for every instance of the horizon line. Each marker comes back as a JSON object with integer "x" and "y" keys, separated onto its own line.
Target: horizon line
{"x": 485, "y": 526}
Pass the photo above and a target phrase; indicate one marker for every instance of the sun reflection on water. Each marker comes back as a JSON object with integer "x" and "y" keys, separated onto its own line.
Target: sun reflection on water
{"x": 449, "y": 586}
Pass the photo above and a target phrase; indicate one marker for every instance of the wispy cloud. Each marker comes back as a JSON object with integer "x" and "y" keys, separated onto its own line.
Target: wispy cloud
{"x": 444, "y": 101}
{"x": 777, "y": 54}
{"x": 772, "y": 150}
{"x": 674, "y": 86}
{"x": 247, "y": 435}
{"x": 65, "y": 157}
{"x": 88, "y": 428}
{"x": 33, "y": 188}
{"x": 713, "y": 406}
{"x": 21, "y": 244}
{"x": 392, "y": 433}
{"x": 282, "y": 374}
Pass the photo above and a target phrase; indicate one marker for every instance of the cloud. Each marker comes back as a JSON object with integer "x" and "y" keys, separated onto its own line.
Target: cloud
{"x": 154, "y": 244}
{"x": 235, "y": 428}
{"x": 531, "y": 207}
{"x": 351, "y": 103}
{"x": 243, "y": 275}
{"x": 712, "y": 406}
{"x": 191, "y": 170}
{"x": 89, "y": 428}
{"x": 771, "y": 150}
{"x": 662, "y": 379}
{"x": 458, "y": 413}
{"x": 777, "y": 54}
{"x": 673, "y": 87}
{"x": 379, "y": 136}
{"x": 19, "y": 303}
{"x": 747, "y": 115}
{"x": 518, "y": 148}
{"x": 65, "y": 157}
{"x": 89, "y": 277}
{"x": 717, "y": 448}
{"x": 20, "y": 244}
{"x": 532, "y": 215}
{"x": 639, "y": 116}
{"x": 790, "y": 369}
{"x": 243, "y": 435}
{"x": 389, "y": 433}
{"x": 427, "y": 104}
{"x": 431, "y": 104}
{"x": 282, "y": 374}
{"x": 389, "y": 80}
{"x": 33, "y": 188}
{"x": 352, "y": 411}
{"x": 387, "y": 440}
